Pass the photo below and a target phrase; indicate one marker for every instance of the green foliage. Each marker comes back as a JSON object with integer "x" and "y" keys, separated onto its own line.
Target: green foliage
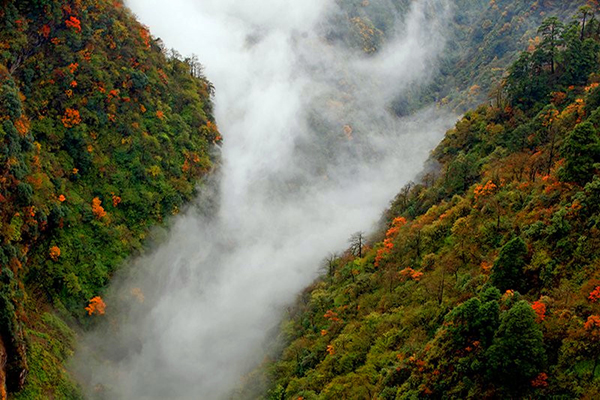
{"x": 48, "y": 349}
{"x": 103, "y": 135}
{"x": 517, "y": 354}
{"x": 579, "y": 58}
{"x": 523, "y": 85}
{"x": 552, "y": 38}
{"x": 508, "y": 267}
{"x": 581, "y": 150}
{"x": 565, "y": 56}
{"x": 484, "y": 282}
{"x": 484, "y": 38}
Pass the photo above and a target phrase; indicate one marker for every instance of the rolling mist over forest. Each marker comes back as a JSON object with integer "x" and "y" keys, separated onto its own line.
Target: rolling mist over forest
{"x": 195, "y": 199}
{"x": 312, "y": 155}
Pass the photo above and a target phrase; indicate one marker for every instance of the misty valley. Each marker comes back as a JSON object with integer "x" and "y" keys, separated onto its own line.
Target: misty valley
{"x": 318, "y": 199}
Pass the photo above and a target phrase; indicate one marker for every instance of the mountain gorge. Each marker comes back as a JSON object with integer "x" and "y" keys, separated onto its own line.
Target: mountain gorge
{"x": 479, "y": 282}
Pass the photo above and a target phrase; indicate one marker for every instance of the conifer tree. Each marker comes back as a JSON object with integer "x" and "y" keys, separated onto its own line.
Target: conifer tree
{"x": 508, "y": 268}
{"x": 517, "y": 354}
{"x": 581, "y": 151}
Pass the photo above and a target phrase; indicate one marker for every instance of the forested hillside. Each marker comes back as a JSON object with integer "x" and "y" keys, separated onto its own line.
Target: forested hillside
{"x": 102, "y": 136}
{"x": 485, "y": 281}
{"x": 483, "y": 284}
{"x": 484, "y": 38}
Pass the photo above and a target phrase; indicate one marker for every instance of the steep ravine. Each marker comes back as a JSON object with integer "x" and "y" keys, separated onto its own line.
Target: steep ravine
{"x": 107, "y": 137}
{"x": 311, "y": 154}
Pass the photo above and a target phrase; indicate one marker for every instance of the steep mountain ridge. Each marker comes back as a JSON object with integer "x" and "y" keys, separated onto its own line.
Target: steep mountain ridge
{"x": 484, "y": 283}
{"x": 102, "y": 136}
{"x": 484, "y": 39}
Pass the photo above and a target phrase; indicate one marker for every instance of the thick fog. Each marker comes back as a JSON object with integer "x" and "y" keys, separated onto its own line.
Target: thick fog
{"x": 311, "y": 154}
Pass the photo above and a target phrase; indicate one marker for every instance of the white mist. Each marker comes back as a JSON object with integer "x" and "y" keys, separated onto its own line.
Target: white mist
{"x": 289, "y": 193}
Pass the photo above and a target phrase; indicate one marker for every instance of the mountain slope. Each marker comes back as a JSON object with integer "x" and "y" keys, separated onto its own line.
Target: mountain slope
{"x": 483, "y": 40}
{"x": 102, "y": 136}
{"x": 485, "y": 283}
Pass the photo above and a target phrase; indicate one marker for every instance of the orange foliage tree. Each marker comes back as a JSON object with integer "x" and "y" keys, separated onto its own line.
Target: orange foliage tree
{"x": 485, "y": 190}
{"x": 96, "y": 306}
{"x": 97, "y": 208}
{"x": 388, "y": 243}
{"x": 54, "y": 253}
{"x": 540, "y": 381}
{"x": 71, "y": 118}
{"x": 74, "y": 23}
{"x": 22, "y": 125}
{"x": 73, "y": 67}
{"x": 594, "y": 295}
{"x": 409, "y": 273}
{"x": 540, "y": 310}
{"x": 331, "y": 316}
{"x": 330, "y": 349}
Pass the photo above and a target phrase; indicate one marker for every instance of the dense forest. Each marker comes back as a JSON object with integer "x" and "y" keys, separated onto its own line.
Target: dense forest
{"x": 103, "y": 134}
{"x": 486, "y": 36}
{"x": 484, "y": 282}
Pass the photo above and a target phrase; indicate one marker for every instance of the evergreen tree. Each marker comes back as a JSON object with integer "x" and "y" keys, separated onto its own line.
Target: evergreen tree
{"x": 581, "y": 151}
{"x": 508, "y": 268}
{"x": 580, "y": 56}
{"x": 526, "y": 83}
{"x": 517, "y": 354}
{"x": 551, "y": 31}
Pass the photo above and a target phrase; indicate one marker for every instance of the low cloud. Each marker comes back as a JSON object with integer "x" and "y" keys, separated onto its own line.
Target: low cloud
{"x": 311, "y": 155}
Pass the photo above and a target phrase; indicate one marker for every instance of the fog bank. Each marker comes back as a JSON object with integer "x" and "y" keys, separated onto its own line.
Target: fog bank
{"x": 311, "y": 154}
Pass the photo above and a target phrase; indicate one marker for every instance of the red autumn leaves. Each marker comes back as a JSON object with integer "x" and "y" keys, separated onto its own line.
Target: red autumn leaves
{"x": 71, "y": 118}
{"x": 97, "y": 208}
{"x": 388, "y": 244}
{"x": 96, "y": 306}
{"x": 73, "y": 23}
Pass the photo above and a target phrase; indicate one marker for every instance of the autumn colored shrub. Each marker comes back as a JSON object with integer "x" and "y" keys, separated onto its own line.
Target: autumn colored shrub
{"x": 330, "y": 349}
{"x": 485, "y": 190}
{"x": 116, "y": 200}
{"x": 54, "y": 253}
{"x": 409, "y": 273}
{"x": 22, "y": 126}
{"x": 71, "y": 118}
{"x": 96, "y": 306}
{"x": 73, "y": 23}
{"x": 97, "y": 208}
{"x": 540, "y": 381}
{"x": 540, "y": 310}
{"x": 73, "y": 67}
